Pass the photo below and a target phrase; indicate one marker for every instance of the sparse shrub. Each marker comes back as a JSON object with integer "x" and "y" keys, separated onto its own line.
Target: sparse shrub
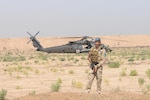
{"x": 145, "y": 52}
{"x": 18, "y": 87}
{"x": 59, "y": 80}
{"x": 62, "y": 70}
{"x": 77, "y": 84}
{"x": 106, "y": 81}
{"x": 10, "y": 73}
{"x": 41, "y": 56}
{"x": 71, "y": 58}
{"x": 81, "y": 64}
{"x": 25, "y": 73}
{"x": 18, "y": 77}
{"x": 141, "y": 81}
{"x": 138, "y": 57}
{"x": 32, "y": 93}
{"x": 9, "y": 58}
{"x": 55, "y": 87}
{"x": 76, "y": 60}
{"x": 148, "y": 87}
{"x": 144, "y": 91}
{"x": 29, "y": 68}
{"x": 133, "y": 73}
{"x": 123, "y": 72}
{"x": 120, "y": 79}
{"x": 114, "y": 65}
{"x": 27, "y": 63}
{"x": 86, "y": 71}
{"x": 83, "y": 58}
{"x": 143, "y": 58}
{"x": 54, "y": 69}
{"x": 131, "y": 59}
{"x": 148, "y": 73}
{"x": 10, "y": 70}
{"x": 31, "y": 57}
{"x": 112, "y": 59}
{"x": 21, "y": 58}
{"x": 15, "y": 63}
{"x": 62, "y": 59}
{"x": 19, "y": 69}
{"x": 37, "y": 71}
{"x": 3, "y": 94}
{"x": 53, "y": 59}
{"x": 71, "y": 72}
{"x": 43, "y": 63}
{"x": 36, "y": 61}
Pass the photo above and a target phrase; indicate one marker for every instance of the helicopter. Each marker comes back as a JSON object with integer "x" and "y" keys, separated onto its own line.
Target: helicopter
{"x": 80, "y": 46}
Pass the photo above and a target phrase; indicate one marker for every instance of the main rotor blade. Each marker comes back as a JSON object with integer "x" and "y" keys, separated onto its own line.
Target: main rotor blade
{"x": 93, "y": 37}
{"x": 28, "y": 41}
{"x": 36, "y": 33}
{"x": 76, "y": 37}
{"x": 29, "y": 34}
{"x": 70, "y": 37}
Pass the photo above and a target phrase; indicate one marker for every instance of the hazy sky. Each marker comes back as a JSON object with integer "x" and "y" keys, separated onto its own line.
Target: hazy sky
{"x": 74, "y": 17}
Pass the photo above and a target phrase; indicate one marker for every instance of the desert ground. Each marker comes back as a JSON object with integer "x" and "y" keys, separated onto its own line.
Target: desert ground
{"x": 27, "y": 74}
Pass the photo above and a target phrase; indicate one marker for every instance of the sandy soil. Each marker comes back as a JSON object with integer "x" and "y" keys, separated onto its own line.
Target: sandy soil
{"x": 46, "y": 72}
{"x": 112, "y": 83}
{"x": 83, "y": 96}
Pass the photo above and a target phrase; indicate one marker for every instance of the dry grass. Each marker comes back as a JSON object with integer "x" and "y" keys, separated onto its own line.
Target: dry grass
{"x": 38, "y": 71}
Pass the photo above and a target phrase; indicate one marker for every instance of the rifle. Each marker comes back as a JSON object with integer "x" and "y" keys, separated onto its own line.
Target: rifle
{"x": 93, "y": 64}
{"x": 107, "y": 48}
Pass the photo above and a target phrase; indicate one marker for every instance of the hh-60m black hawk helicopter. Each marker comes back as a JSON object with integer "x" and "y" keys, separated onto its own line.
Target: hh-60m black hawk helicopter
{"x": 80, "y": 46}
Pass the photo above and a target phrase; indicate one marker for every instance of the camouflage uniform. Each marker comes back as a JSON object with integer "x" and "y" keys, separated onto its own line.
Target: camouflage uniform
{"x": 96, "y": 55}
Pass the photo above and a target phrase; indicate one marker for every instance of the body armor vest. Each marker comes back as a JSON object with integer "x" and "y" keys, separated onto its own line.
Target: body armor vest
{"x": 96, "y": 54}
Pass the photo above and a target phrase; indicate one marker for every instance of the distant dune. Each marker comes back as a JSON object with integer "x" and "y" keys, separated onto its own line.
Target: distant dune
{"x": 112, "y": 41}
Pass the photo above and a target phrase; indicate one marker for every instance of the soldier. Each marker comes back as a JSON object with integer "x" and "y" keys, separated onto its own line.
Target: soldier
{"x": 96, "y": 57}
